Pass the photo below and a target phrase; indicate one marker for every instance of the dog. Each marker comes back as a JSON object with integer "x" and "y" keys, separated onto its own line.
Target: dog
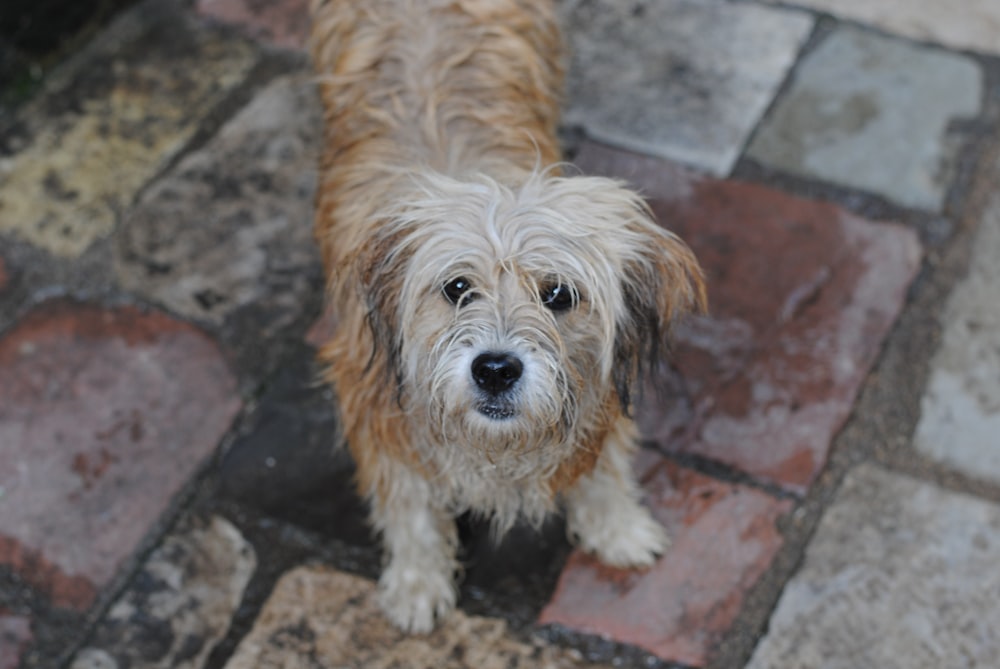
{"x": 495, "y": 317}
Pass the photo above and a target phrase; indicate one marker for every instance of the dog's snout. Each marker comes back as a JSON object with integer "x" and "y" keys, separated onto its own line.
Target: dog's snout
{"x": 496, "y": 372}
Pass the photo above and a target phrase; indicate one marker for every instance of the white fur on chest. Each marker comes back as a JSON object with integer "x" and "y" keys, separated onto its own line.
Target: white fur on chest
{"x": 502, "y": 486}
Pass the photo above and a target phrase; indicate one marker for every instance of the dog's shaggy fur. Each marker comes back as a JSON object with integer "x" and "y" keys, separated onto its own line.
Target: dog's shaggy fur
{"x": 493, "y": 315}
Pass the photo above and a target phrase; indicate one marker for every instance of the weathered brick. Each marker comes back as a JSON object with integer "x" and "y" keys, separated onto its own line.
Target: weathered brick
{"x": 104, "y": 415}
{"x": 723, "y": 538}
{"x": 801, "y": 295}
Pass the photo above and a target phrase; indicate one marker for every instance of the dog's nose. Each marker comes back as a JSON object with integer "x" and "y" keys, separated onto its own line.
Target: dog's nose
{"x": 496, "y": 372}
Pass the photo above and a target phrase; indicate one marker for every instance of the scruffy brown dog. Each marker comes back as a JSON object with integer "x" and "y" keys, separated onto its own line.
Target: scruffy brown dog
{"x": 493, "y": 315}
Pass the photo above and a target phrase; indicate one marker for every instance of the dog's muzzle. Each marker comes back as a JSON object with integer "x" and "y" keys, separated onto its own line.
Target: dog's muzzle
{"x": 495, "y": 374}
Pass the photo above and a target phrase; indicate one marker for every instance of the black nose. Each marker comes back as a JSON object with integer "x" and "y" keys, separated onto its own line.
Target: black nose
{"x": 496, "y": 372}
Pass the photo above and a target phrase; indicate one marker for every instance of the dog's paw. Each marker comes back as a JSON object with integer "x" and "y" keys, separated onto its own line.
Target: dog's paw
{"x": 414, "y": 597}
{"x": 627, "y": 538}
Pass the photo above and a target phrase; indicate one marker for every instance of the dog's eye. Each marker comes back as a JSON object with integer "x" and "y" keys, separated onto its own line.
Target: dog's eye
{"x": 558, "y": 297}
{"x": 457, "y": 290}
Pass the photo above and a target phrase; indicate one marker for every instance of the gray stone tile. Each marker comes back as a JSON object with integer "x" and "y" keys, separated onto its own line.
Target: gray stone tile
{"x": 109, "y": 122}
{"x": 960, "y": 418}
{"x": 681, "y": 79}
{"x": 179, "y": 604}
{"x": 873, "y": 113}
{"x": 232, "y": 224}
{"x": 961, "y": 24}
{"x": 900, "y": 575}
{"x": 332, "y": 619}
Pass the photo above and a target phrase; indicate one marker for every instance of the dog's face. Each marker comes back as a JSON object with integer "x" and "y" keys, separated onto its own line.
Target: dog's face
{"x": 506, "y": 315}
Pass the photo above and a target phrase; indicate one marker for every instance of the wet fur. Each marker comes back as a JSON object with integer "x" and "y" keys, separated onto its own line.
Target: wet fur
{"x": 441, "y": 160}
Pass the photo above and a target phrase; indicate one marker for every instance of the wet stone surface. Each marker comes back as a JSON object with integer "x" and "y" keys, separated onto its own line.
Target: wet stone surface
{"x": 723, "y": 537}
{"x": 108, "y": 123}
{"x": 230, "y": 228}
{"x": 960, "y": 412}
{"x": 765, "y": 381}
{"x": 330, "y": 619}
{"x": 179, "y": 604}
{"x": 682, "y": 79}
{"x": 961, "y": 24}
{"x": 900, "y": 575}
{"x": 288, "y": 460}
{"x": 104, "y": 415}
{"x": 859, "y": 90}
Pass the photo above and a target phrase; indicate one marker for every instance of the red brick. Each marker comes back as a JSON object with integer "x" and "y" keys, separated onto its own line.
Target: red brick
{"x": 723, "y": 538}
{"x": 15, "y": 635}
{"x": 284, "y": 23}
{"x": 104, "y": 414}
{"x": 801, "y": 296}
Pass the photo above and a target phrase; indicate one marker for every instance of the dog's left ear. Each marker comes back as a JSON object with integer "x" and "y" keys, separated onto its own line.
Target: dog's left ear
{"x": 379, "y": 268}
{"x": 660, "y": 280}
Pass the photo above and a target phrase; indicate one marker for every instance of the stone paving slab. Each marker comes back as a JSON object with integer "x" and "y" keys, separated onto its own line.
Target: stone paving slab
{"x": 873, "y": 113}
{"x": 104, "y": 415}
{"x": 179, "y": 604}
{"x": 960, "y": 24}
{"x": 15, "y": 635}
{"x": 801, "y": 295}
{"x": 83, "y": 150}
{"x": 283, "y": 23}
{"x": 285, "y": 460}
{"x": 723, "y": 537}
{"x": 681, "y": 79}
{"x": 960, "y": 411}
{"x": 900, "y": 575}
{"x": 321, "y": 618}
{"x": 231, "y": 225}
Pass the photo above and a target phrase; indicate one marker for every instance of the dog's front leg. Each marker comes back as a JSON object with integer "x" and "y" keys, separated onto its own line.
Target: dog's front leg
{"x": 419, "y": 537}
{"x": 603, "y": 513}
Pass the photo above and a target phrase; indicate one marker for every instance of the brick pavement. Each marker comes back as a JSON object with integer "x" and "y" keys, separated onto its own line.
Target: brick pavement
{"x": 824, "y": 454}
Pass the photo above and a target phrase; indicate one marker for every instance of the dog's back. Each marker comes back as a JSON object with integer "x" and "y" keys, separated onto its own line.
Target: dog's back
{"x": 453, "y": 85}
